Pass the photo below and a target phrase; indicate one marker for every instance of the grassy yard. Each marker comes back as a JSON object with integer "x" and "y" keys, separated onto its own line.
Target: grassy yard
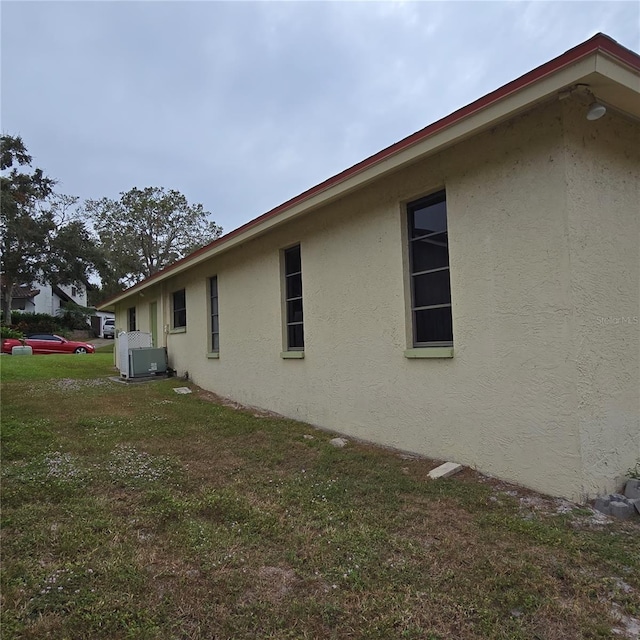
{"x": 130, "y": 511}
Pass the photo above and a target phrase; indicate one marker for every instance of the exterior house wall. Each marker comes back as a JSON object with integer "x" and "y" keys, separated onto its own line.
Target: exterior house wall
{"x": 519, "y": 397}
{"x": 23, "y": 304}
{"x": 48, "y": 302}
{"x": 603, "y": 200}
{"x": 44, "y": 301}
{"x": 142, "y": 305}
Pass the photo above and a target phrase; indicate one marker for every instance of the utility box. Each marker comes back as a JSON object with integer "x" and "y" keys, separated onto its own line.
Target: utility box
{"x": 21, "y": 351}
{"x": 147, "y": 361}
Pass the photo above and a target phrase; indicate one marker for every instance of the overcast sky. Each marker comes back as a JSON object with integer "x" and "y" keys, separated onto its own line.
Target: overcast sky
{"x": 243, "y": 105}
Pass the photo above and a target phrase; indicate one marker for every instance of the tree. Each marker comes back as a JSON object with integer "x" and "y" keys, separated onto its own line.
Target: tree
{"x": 38, "y": 243}
{"x": 145, "y": 231}
{"x": 25, "y": 227}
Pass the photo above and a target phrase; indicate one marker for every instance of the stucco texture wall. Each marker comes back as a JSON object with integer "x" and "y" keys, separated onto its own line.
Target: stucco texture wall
{"x": 517, "y": 399}
{"x": 603, "y": 205}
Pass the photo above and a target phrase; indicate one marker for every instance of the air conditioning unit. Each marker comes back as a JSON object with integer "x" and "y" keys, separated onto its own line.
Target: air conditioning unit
{"x": 147, "y": 361}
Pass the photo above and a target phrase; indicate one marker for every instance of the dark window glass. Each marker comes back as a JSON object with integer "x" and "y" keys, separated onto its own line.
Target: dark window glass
{"x": 179, "y": 309}
{"x": 293, "y": 298}
{"x": 429, "y": 216}
{"x": 293, "y": 260}
{"x": 430, "y": 253}
{"x": 132, "y": 318}
{"x": 294, "y": 286}
{"x": 433, "y": 325}
{"x": 295, "y": 336}
{"x": 431, "y": 288}
{"x": 215, "y": 329}
{"x": 429, "y": 267}
{"x": 294, "y": 310}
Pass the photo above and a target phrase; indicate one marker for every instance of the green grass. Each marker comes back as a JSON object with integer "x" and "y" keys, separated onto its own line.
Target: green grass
{"x": 132, "y": 512}
{"x": 71, "y": 365}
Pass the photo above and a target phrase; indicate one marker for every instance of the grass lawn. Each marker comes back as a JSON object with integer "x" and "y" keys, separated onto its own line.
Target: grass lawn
{"x": 130, "y": 511}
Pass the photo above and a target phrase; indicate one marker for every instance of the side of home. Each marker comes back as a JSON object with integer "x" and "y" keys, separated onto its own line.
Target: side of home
{"x": 455, "y": 296}
{"x": 45, "y": 298}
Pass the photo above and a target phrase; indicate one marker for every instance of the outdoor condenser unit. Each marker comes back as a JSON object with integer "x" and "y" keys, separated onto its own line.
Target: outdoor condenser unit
{"x": 147, "y": 361}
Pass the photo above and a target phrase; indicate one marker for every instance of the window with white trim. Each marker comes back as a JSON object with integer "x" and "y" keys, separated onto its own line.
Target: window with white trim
{"x": 131, "y": 318}
{"x": 429, "y": 272}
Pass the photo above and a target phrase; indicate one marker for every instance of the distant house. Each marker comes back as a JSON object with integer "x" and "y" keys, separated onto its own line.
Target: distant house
{"x": 45, "y": 298}
{"x": 471, "y": 293}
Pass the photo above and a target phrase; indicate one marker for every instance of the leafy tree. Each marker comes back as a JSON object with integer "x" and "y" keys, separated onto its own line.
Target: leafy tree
{"x": 25, "y": 226}
{"x": 38, "y": 241}
{"x": 145, "y": 231}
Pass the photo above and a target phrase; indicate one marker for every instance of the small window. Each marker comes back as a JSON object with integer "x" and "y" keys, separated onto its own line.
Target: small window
{"x": 131, "y": 315}
{"x": 293, "y": 299}
{"x": 74, "y": 291}
{"x": 179, "y": 309}
{"x": 213, "y": 306}
{"x": 429, "y": 272}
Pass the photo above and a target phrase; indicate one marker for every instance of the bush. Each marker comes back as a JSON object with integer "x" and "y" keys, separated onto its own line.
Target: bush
{"x": 8, "y": 332}
{"x": 35, "y": 323}
{"x": 73, "y": 316}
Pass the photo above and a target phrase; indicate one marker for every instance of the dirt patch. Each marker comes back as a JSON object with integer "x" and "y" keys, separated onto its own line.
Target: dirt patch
{"x": 209, "y": 396}
{"x": 272, "y": 584}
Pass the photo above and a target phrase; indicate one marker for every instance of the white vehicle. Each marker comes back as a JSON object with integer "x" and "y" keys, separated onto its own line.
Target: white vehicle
{"x": 109, "y": 328}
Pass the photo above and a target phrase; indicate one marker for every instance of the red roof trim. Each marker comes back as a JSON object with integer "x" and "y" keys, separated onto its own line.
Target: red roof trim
{"x": 599, "y": 42}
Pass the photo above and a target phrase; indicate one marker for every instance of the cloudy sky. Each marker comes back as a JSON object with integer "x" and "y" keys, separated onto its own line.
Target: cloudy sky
{"x": 243, "y": 105}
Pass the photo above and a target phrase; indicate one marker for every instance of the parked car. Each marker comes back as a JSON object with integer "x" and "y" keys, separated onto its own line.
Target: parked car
{"x": 48, "y": 343}
{"x": 109, "y": 328}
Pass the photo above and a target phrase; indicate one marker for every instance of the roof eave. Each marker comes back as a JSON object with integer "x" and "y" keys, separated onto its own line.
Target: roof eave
{"x": 542, "y": 84}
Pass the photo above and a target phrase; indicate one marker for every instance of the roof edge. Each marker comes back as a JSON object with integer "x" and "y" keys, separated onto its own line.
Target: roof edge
{"x": 599, "y": 43}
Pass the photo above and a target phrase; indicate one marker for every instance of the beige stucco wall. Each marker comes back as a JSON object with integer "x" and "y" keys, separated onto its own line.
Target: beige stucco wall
{"x": 603, "y": 204}
{"x": 517, "y": 400}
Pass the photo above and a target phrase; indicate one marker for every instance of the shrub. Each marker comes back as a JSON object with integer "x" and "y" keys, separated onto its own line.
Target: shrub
{"x": 74, "y": 316}
{"x": 35, "y": 322}
{"x": 8, "y": 332}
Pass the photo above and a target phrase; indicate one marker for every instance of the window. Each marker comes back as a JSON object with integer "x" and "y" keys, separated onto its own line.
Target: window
{"x": 429, "y": 271}
{"x": 179, "y": 309}
{"x": 293, "y": 299}
{"x": 74, "y": 291}
{"x": 131, "y": 315}
{"x": 213, "y": 306}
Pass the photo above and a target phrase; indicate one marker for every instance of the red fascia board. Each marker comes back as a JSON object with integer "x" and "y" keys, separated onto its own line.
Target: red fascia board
{"x": 599, "y": 42}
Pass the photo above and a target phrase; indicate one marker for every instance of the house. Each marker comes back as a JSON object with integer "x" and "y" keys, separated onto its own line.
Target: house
{"x": 470, "y": 293}
{"x": 40, "y": 297}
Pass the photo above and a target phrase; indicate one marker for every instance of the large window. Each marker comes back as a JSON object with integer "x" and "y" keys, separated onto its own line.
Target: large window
{"x": 179, "y": 303}
{"x": 293, "y": 299}
{"x": 213, "y": 306}
{"x": 131, "y": 318}
{"x": 429, "y": 267}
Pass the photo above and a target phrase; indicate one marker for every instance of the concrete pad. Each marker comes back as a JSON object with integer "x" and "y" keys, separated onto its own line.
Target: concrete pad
{"x": 445, "y": 470}
{"x": 182, "y": 390}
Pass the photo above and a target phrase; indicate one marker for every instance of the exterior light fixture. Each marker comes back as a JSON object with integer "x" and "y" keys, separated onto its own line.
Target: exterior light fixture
{"x": 596, "y": 111}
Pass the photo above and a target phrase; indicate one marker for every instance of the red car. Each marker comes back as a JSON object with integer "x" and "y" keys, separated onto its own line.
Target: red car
{"x": 48, "y": 343}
